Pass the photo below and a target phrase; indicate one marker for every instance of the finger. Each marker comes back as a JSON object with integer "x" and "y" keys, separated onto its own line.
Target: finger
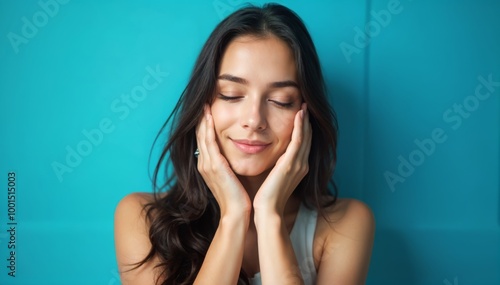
{"x": 297, "y": 133}
{"x": 209, "y": 128}
{"x": 301, "y": 137}
{"x": 307, "y": 132}
{"x": 211, "y": 139}
{"x": 200, "y": 126}
{"x": 306, "y": 121}
{"x": 303, "y": 134}
{"x": 200, "y": 138}
{"x": 210, "y": 146}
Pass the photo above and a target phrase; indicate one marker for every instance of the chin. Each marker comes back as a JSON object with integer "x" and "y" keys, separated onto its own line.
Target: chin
{"x": 251, "y": 170}
{"x": 251, "y": 174}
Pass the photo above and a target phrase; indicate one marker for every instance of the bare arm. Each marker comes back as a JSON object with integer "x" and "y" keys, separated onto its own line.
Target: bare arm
{"x": 224, "y": 257}
{"x": 132, "y": 241}
{"x": 278, "y": 263}
{"x": 222, "y": 263}
{"x": 346, "y": 254}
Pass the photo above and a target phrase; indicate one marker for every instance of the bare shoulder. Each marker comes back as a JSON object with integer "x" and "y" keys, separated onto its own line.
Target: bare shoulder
{"x": 131, "y": 207}
{"x": 344, "y": 240}
{"x": 130, "y": 214}
{"x": 132, "y": 244}
{"x": 348, "y": 210}
{"x": 347, "y": 218}
{"x": 132, "y": 201}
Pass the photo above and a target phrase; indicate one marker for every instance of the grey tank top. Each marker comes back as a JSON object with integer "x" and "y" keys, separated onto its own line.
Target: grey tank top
{"x": 302, "y": 237}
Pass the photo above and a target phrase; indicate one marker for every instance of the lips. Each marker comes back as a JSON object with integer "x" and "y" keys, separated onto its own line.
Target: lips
{"x": 250, "y": 147}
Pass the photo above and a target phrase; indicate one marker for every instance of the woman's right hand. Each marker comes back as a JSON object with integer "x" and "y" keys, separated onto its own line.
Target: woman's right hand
{"x": 215, "y": 170}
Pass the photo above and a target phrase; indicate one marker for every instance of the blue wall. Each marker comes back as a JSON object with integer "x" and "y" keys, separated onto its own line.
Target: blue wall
{"x": 85, "y": 86}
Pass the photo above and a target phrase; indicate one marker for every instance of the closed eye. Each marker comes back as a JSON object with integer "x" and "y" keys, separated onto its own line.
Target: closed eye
{"x": 282, "y": 104}
{"x": 234, "y": 98}
{"x": 228, "y": 98}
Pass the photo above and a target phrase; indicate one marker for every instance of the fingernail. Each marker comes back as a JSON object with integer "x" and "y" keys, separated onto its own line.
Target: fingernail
{"x": 205, "y": 111}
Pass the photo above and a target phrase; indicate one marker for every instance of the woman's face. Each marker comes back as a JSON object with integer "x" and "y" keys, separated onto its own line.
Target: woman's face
{"x": 256, "y": 100}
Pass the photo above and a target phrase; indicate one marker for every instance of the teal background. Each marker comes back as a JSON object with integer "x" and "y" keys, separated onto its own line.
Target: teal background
{"x": 439, "y": 226}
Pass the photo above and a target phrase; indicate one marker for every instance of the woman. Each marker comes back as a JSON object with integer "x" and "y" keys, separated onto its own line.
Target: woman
{"x": 252, "y": 204}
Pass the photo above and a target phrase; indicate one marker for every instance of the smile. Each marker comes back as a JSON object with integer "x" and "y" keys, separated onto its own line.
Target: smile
{"x": 250, "y": 147}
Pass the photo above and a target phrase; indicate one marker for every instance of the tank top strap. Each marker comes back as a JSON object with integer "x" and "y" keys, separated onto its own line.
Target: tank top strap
{"x": 302, "y": 238}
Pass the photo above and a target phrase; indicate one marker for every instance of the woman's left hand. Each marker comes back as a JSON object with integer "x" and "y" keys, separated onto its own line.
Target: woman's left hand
{"x": 289, "y": 170}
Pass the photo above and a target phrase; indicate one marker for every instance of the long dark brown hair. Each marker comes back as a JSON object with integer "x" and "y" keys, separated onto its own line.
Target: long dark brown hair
{"x": 183, "y": 223}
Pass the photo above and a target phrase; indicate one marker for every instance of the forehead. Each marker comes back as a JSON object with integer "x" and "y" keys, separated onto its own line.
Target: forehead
{"x": 259, "y": 58}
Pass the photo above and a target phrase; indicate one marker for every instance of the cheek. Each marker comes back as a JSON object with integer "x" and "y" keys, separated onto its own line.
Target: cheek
{"x": 222, "y": 118}
{"x": 283, "y": 126}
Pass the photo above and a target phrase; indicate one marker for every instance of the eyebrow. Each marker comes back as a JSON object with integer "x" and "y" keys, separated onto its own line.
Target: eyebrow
{"x": 277, "y": 84}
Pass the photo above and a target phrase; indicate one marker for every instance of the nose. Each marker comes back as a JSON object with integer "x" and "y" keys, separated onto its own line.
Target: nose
{"x": 253, "y": 115}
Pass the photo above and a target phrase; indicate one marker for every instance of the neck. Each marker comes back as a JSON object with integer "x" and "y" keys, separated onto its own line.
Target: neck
{"x": 252, "y": 183}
